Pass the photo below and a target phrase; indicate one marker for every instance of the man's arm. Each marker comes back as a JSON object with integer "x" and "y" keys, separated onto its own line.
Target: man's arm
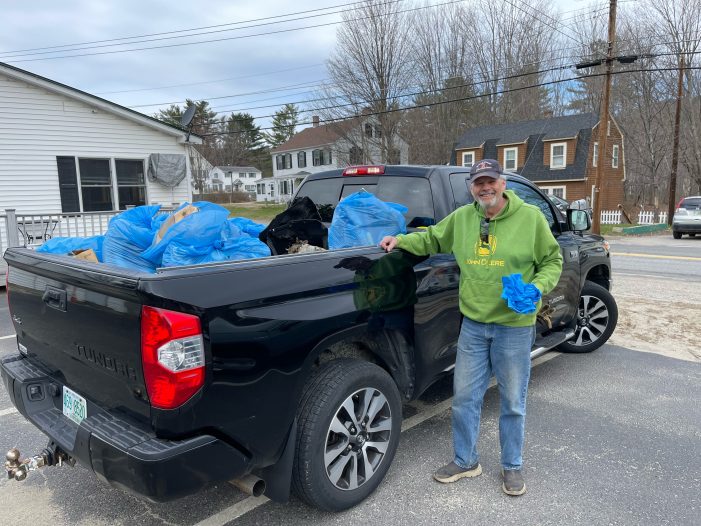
{"x": 434, "y": 240}
{"x": 548, "y": 260}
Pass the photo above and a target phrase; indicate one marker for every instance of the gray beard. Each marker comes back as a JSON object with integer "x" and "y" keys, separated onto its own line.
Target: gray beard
{"x": 486, "y": 205}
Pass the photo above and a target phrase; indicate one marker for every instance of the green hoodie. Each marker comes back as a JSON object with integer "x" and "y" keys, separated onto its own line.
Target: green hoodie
{"x": 520, "y": 241}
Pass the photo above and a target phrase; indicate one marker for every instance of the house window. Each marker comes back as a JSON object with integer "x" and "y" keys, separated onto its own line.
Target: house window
{"x": 595, "y": 158}
{"x": 559, "y": 191}
{"x": 321, "y": 157}
{"x": 614, "y": 156}
{"x": 355, "y": 155}
{"x": 250, "y": 188}
{"x": 95, "y": 184}
{"x": 302, "y": 160}
{"x": 131, "y": 185}
{"x": 251, "y": 175}
{"x": 558, "y": 155}
{"x": 510, "y": 157}
{"x": 368, "y": 129}
{"x": 68, "y": 184}
{"x": 284, "y": 161}
{"x": 468, "y": 158}
{"x": 242, "y": 175}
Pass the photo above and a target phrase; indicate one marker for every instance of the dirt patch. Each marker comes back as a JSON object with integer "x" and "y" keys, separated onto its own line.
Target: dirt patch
{"x": 651, "y": 319}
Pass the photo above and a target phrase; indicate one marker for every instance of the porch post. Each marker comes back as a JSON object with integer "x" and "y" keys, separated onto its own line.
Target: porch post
{"x": 11, "y": 226}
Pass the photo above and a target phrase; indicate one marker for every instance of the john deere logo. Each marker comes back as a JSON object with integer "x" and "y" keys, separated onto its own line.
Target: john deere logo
{"x": 483, "y": 249}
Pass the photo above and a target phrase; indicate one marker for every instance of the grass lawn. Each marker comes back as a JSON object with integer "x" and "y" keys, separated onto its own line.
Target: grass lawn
{"x": 260, "y": 212}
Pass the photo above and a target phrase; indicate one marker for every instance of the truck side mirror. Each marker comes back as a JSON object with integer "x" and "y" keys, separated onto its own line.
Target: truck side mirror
{"x": 578, "y": 220}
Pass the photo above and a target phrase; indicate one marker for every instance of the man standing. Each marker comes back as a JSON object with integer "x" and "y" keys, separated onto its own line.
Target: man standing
{"x": 497, "y": 235}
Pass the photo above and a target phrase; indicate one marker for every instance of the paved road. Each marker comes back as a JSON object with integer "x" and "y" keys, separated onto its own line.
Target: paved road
{"x": 660, "y": 255}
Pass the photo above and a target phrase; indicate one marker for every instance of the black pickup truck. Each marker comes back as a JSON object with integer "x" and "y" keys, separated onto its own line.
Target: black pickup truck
{"x": 286, "y": 372}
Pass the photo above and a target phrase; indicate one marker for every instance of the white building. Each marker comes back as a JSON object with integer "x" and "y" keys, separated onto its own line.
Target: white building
{"x": 240, "y": 178}
{"x": 327, "y": 146}
{"x": 63, "y": 150}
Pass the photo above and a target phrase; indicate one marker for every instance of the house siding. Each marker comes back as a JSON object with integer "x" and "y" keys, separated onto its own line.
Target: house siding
{"x": 39, "y": 125}
{"x": 612, "y": 191}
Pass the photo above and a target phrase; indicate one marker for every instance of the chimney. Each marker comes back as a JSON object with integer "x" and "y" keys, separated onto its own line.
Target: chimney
{"x": 315, "y": 121}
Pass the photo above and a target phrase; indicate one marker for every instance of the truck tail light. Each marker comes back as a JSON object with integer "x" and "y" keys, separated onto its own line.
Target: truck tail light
{"x": 172, "y": 353}
{"x": 364, "y": 170}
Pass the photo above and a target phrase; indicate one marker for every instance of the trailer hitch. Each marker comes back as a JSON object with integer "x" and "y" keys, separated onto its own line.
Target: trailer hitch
{"x": 18, "y": 468}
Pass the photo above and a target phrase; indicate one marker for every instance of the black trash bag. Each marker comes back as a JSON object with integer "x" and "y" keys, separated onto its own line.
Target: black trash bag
{"x": 300, "y": 222}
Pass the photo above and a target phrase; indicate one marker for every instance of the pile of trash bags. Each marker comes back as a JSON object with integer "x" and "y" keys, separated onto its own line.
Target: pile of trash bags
{"x": 142, "y": 239}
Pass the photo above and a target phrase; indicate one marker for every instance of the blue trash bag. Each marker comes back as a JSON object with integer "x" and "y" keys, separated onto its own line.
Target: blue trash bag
{"x": 520, "y": 297}
{"x": 362, "y": 219}
{"x": 128, "y": 235}
{"x": 66, "y": 245}
{"x": 247, "y": 226}
{"x": 232, "y": 245}
{"x": 198, "y": 230}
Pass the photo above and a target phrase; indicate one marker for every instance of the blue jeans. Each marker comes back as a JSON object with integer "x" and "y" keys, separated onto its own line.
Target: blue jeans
{"x": 483, "y": 349}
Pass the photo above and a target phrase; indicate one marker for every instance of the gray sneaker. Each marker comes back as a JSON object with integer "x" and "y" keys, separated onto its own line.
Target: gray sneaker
{"x": 513, "y": 482}
{"x": 452, "y": 472}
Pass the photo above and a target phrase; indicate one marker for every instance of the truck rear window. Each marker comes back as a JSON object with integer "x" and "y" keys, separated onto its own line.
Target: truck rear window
{"x": 691, "y": 203}
{"x": 412, "y": 192}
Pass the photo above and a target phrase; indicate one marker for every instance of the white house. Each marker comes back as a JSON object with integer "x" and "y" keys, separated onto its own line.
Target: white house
{"x": 66, "y": 151}
{"x": 241, "y": 178}
{"x": 328, "y": 146}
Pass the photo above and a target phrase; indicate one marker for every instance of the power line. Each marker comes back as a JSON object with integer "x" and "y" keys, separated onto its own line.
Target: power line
{"x": 213, "y": 81}
{"x": 276, "y": 17}
{"x": 268, "y": 33}
{"x": 472, "y": 97}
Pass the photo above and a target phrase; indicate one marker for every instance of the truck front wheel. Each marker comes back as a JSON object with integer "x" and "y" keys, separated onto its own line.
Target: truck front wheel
{"x": 597, "y": 315}
{"x": 349, "y": 424}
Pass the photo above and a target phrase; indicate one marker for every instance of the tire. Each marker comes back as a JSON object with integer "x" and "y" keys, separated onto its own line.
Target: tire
{"x": 676, "y": 235}
{"x": 597, "y": 315}
{"x": 334, "y": 453}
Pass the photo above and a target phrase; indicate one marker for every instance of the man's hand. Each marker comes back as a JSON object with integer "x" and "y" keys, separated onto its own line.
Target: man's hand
{"x": 388, "y": 243}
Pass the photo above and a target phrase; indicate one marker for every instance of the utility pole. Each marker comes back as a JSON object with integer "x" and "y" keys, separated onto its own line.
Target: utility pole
{"x": 672, "y": 196}
{"x": 603, "y": 120}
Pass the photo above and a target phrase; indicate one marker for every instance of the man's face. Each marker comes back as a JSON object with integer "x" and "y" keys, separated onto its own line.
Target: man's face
{"x": 487, "y": 191}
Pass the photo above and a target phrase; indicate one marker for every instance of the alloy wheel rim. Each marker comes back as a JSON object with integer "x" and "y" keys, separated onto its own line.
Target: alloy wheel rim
{"x": 592, "y": 321}
{"x": 357, "y": 439}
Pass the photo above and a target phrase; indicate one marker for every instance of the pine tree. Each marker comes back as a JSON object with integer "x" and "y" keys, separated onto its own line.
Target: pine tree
{"x": 284, "y": 124}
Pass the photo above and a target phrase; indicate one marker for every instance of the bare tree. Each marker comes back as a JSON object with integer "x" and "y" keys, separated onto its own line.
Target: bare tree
{"x": 370, "y": 71}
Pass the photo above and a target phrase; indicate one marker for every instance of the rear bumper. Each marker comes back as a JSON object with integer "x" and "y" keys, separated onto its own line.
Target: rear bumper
{"x": 689, "y": 227}
{"x": 120, "y": 451}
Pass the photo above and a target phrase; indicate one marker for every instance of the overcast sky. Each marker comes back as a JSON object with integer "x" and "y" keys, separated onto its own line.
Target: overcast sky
{"x": 234, "y": 69}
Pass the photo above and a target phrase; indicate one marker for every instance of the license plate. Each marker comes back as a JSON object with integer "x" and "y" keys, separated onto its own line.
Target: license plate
{"x": 74, "y": 406}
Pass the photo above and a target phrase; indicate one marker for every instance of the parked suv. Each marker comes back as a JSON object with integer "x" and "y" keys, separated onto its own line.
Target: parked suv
{"x": 687, "y": 217}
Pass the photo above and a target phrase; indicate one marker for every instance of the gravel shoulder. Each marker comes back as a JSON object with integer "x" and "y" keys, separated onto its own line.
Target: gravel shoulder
{"x": 659, "y": 316}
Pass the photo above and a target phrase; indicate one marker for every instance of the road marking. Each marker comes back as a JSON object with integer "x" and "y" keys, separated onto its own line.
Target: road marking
{"x": 242, "y": 507}
{"x": 654, "y": 256}
{"x": 8, "y": 337}
{"x": 10, "y": 411}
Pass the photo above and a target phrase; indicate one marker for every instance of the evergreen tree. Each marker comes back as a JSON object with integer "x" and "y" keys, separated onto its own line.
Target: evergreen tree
{"x": 284, "y": 124}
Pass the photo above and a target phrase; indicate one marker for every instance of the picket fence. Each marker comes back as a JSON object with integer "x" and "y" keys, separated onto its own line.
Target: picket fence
{"x": 650, "y": 217}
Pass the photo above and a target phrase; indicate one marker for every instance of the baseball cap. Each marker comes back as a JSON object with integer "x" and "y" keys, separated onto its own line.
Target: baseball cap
{"x": 485, "y": 168}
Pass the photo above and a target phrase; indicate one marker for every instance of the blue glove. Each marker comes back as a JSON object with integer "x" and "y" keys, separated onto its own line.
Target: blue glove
{"x": 520, "y": 297}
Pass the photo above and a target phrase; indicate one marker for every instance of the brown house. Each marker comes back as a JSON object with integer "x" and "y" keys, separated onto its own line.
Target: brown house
{"x": 559, "y": 154}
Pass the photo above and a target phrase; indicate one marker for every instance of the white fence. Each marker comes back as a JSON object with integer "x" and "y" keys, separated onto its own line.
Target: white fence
{"x": 613, "y": 217}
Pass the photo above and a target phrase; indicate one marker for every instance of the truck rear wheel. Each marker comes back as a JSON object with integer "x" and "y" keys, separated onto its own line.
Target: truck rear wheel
{"x": 349, "y": 422}
{"x": 597, "y": 315}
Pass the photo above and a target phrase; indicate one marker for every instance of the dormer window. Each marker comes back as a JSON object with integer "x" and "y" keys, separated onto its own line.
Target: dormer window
{"x": 468, "y": 158}
{"x": 558, "y": 155}
{"x": 510, "y": 158}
